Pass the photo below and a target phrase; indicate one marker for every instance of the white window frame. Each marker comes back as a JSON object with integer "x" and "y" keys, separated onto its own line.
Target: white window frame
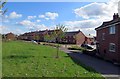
{"x": 112, "y": 29}
{"x": 110, "y": 49}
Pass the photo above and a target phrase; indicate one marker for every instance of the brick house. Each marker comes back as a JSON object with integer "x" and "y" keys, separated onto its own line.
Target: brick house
{"x": 25, "y": 36}
{"x": 10, "y": 36}
{"x": 36, "y": 35}
{"x": 76, "y": 37}
{"x": 108, "y": 39}
{"x": 89, "y": 39}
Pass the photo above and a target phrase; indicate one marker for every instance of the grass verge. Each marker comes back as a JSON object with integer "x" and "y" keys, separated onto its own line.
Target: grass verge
{"x": 23, "y": 59}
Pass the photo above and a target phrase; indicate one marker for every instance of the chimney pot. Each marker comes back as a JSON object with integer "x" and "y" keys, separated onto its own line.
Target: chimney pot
{"x": 115, "y": 16}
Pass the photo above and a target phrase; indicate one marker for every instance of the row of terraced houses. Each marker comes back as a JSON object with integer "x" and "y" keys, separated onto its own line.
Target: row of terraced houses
{"x": 74, "y": 37}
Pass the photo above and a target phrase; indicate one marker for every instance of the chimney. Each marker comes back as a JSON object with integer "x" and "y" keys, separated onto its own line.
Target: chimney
{"x": 115, "y": 16}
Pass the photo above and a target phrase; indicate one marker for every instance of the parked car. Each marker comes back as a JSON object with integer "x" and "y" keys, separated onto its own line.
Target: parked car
{"x": 88, "y": 46}
{"x": 34, "y": 41}
{"x": 89, "y": 49}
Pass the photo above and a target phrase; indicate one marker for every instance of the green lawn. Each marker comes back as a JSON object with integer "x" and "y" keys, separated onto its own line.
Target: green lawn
{"x": 23, "y": 59}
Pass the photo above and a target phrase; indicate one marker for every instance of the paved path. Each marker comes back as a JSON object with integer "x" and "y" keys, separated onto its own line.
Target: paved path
{"x": 106, "y": 68}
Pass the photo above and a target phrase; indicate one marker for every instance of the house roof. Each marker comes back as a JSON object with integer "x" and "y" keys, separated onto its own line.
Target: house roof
{"x": 89, "y": 36}
{"x": 10, "y": 33}
{"x": 72, "y": 33}
{"x": 39, "y": 32}
{"x": 109, "y": 23}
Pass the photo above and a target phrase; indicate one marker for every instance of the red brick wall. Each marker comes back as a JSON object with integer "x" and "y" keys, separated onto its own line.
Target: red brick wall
{"x": 10, "y": 36}
{"x": 70, "y": 39}
{"x": 104, "y": 44}
{"x": 80, "y": 38}
{"x": 89, "y": 40}
{"x": 118, "y": 39}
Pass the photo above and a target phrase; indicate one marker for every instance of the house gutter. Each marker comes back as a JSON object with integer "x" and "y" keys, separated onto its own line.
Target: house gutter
{"x": 99, "y": 28}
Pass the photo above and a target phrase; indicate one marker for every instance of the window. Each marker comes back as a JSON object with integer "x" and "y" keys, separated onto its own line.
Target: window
{"x": 68, "y": 37}
{"x": 112, "y": 29}
{"x": 103, "y": 36}
{"x": 74, "y": 37}
{"x": 90, "y": 39}
{"x": 73, "y": 40}
{"x": 112, "y": 47}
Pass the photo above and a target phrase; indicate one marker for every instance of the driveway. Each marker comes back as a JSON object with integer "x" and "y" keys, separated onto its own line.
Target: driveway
{"x": 107, "y": 69}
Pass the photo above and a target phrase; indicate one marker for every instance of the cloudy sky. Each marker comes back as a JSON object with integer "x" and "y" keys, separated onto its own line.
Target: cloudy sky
{"x": 24, "y": 17}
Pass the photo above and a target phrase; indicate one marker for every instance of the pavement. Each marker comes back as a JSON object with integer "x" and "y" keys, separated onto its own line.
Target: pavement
{"x": 107, "y": 69}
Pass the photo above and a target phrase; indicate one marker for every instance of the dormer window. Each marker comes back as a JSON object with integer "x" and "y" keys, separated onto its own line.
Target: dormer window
{"x": 112, "y": 29}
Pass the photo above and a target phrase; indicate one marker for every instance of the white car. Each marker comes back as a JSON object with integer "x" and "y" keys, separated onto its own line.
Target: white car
{"x": 34, "y": 42}
{"x": 88, "y": 46}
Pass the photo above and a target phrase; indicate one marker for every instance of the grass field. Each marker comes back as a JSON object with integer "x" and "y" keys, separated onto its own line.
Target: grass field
{"x": 23, "y": 59}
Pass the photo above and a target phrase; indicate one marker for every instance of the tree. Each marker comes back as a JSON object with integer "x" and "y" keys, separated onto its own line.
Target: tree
{"x": 37, "y": 37}
{"x": 48, "y": 37}
{"x": 59, "y": 33}
{"x": 2, "y": 12}
{"x": 2, "y": 5}
{"x": 56, "y": 35}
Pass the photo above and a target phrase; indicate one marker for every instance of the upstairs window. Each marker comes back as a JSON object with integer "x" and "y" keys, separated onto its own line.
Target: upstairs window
{"x": 112, "y": 29}
{"x": 103, "y": 36}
